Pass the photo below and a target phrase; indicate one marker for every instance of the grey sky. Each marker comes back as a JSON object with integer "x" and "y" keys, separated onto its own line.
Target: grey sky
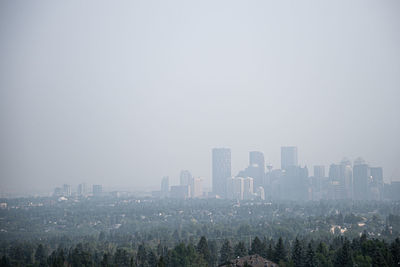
{"x": 124, "y": 92}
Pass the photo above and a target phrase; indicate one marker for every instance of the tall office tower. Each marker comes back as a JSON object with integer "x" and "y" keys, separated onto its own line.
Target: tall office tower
{"x": 67, "y": 190}
{"x": 340, "y": 178}
{"x": 377, "y": 175}
{"x": 235, "y": 188}
{"x": 317, "y": 182}
{"x": 319, "y": 171}
{"x": 257, "y": 158}
{"x": 288, "y": 157}
{"x": 376, "y": 185}
{"x": 180, "y": 191}
{"x": 221, "y": 170}
{"x": 97, "y": 190}
{"x": 196, "y": 188}
{"x": 82, "y": 189}
{"x": 248, "y": 188}
{"x": 256, "y": 169}
{"x": 361, "y": 176}
{"x": 165, "y": 186}
{"x": 185, "y": 177}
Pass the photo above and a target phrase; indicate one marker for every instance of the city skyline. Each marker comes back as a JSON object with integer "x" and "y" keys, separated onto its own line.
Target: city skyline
{"x": 257, "y": 167}
{"x": 345, "y": 180}
{"x": 207, "y": 181}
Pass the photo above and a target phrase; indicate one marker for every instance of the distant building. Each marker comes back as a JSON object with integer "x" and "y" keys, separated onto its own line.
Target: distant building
{"x": 67, "y": 190}
{"x": 340, "y": 177}
{"x": 392, "y": 191}
{"x": 361, "y": 176}
{"x": 185, "y": 177}
{"x": 164, "y": 186}
{"x": 376, "y": 184}
{"x": 82, "y": 189}
{"x": 294, "y": 184}
{"x": 319, "y": 183}
{"x": 180, "y": 191}
{"x": 221, "y": 170}
{"x": 256, "y": 169}
{"x": 248, "y": 188}
{"x": 97, "y": 190}
{"x": 235, "y": 188}
{"x": 288, "y": 157}
{"x": 58, "y": 192}
{"x": 319, "y": 171}
{"x": 260, "y": 192}
{"x": 196, "y": 187}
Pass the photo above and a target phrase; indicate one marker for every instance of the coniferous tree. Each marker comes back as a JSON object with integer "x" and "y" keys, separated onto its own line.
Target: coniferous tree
{"x": 161, "y": 262}
{"x": 297, "y": 254}
{"x": 280, "y": 252}
{"x": 57, "y": 258}
{"x": 240, "y": 249}
{"x": 202, "y": 248}
{"x": 270, "y": 251}
{"x": 226, "y": 252}
{"x": 343, "y": 255}
{"x": 152, "y": 259}
{"x": 80, "y": 256}
{"x": 212, "y": 245}
{"x": 378, "y": 260}
{"x": 256, "y": 246}
{"x": 121, "y": 258}
{"x": 395, "y": 251}
{"x": 105, "y": 261}
{"x": 141, "y": 257}
{"x": 5, "y": 261}
{"x": 41, "y": 255}
{"x": 310, "y": 260}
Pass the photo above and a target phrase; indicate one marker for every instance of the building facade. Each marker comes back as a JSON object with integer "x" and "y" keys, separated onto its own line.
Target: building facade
{"x": 221, "y": 170}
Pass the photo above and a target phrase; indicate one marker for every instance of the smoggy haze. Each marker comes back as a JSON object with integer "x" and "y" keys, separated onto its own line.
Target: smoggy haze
{"x": 123, "y": 93}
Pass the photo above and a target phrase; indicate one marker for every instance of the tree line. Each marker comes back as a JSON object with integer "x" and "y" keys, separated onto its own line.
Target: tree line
{"x": 338, "y": 251}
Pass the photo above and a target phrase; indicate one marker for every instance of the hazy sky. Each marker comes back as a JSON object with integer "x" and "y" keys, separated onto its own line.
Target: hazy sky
{"x": 122, "y": 93}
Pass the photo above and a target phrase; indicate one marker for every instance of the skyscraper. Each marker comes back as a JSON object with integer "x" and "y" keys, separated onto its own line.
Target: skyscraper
{"x": 185, "y": 177}
{"x": 165, "y": 186}
{"x": 361, "y": 176}
{"x": 248, "y": 188}
{"x": 97, "y": 190}
{"x": 319, "y": 171}
{"x": 376, "y": 185}
{"x": 288, "y": 157}
{"x": 196, "y": 189}
{"x": 221, "y": 170}
{"x": 256, "y": 168}
{"x": 235, "y": 188}
{"x": 340, "y": 178}
{"x": 257, "y": 158}
{"x": 82, "y": 189}
{"x": 67, "y": 190}
{"x": 377, "y": 175}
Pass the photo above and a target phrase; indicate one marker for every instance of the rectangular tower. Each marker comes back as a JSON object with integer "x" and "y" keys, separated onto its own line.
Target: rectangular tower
{"x": 361, "y": 177}
{"x": 288, "y": 157}
{"x": 221, "y": 170}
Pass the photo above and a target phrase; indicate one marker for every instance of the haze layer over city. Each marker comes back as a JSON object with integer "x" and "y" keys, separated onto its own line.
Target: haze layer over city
{"x": 123, "y": 94}
{"x": 199, "y": 133}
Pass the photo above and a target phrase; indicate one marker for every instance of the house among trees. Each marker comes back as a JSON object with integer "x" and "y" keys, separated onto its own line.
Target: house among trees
{"x": 250, "y": 261}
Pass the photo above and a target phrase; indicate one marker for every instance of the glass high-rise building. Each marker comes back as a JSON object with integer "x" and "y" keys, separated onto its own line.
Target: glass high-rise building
{"x": 165, "y": 185}
{"x": 288, "y": 157}
{"x": 256, "y": 168}
{"x": 221, "y": 170}
{"x": 361, "y": 177}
